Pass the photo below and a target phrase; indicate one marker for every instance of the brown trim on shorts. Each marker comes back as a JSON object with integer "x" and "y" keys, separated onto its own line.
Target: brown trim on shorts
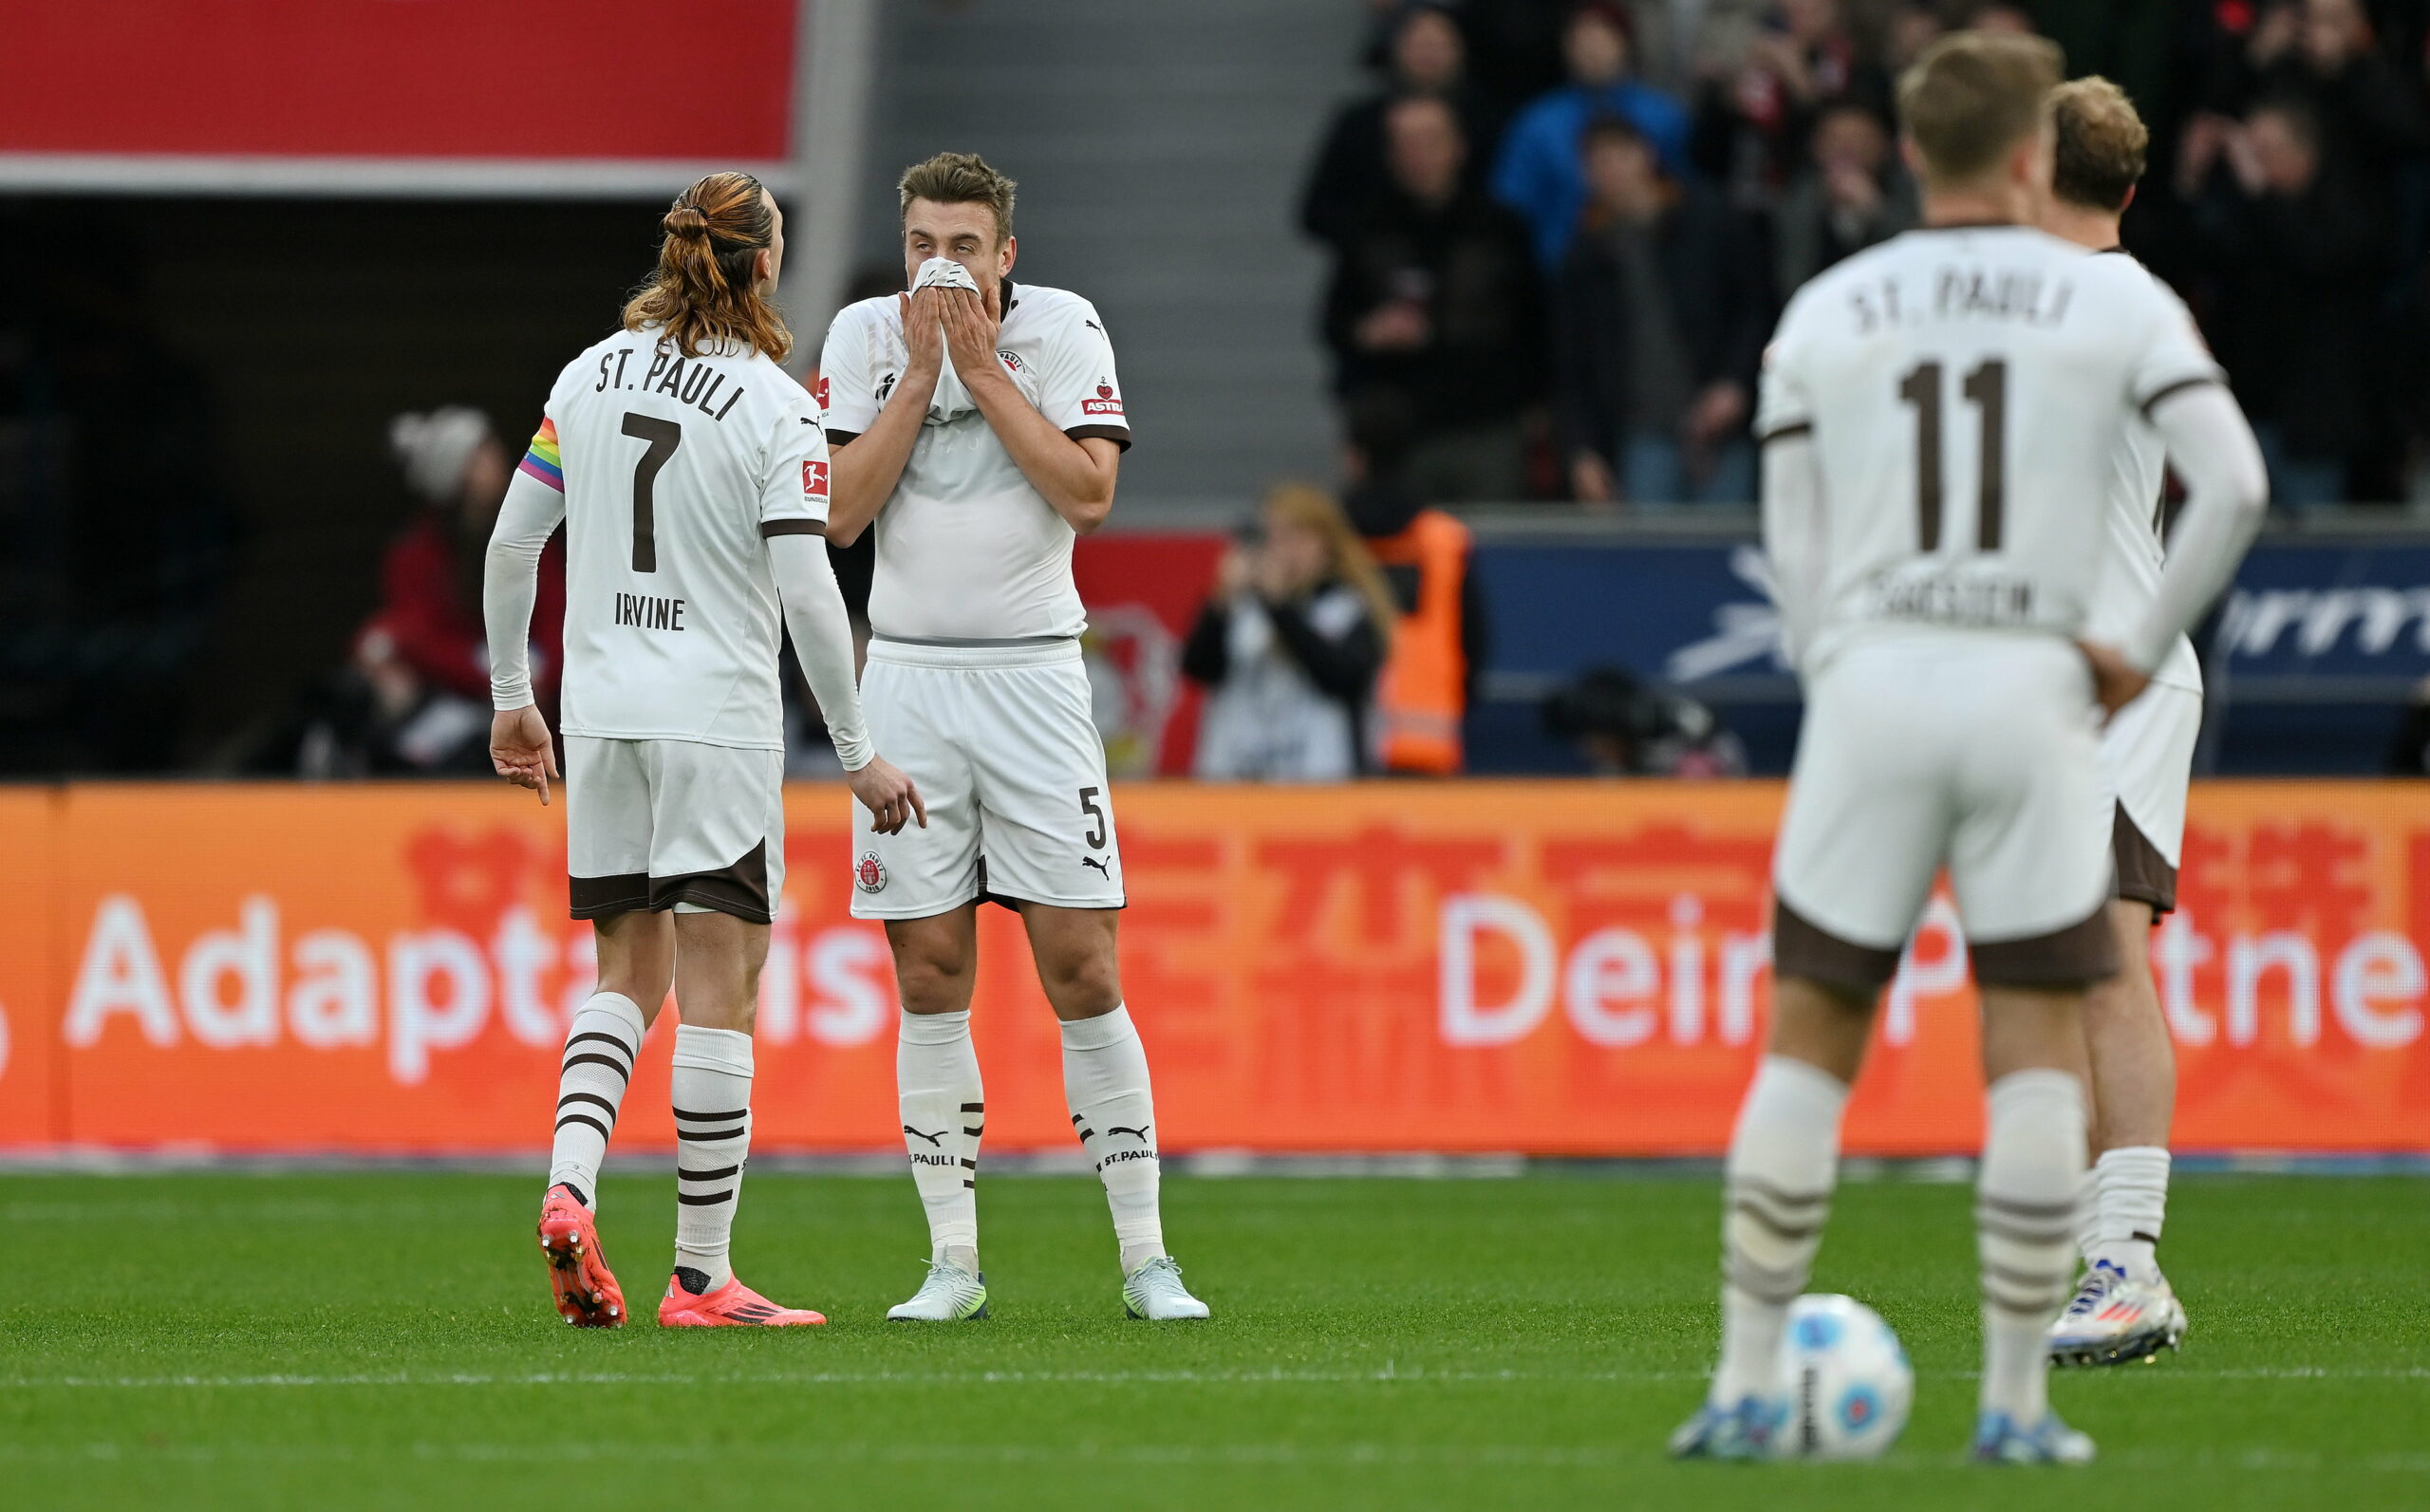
{"x": 2078, "y": 956}
{"x": 1788, "y": 431}
{"x": 1804, "y": 949}
{"x": 1119, "y": 435}
{"x": 592, "y": 897}
{"x": 739, "y": 889}
{"x": 772, "y": 528}
{"x": 2143, "y": 874}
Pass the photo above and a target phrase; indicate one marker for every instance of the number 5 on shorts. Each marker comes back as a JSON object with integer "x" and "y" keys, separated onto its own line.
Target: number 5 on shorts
{"x": 1095, "y": 836}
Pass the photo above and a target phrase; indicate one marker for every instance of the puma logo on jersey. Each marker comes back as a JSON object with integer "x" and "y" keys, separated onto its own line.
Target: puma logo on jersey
{"x": 1092, "y": 861}
{"x": 937, "y": 1139}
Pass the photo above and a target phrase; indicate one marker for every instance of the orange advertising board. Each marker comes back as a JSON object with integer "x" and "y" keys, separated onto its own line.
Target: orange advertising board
{"x": 1560, "y": 969}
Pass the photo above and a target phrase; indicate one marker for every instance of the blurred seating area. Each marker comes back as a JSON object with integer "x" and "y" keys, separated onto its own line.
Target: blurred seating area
{"x": 1560, "y": 231}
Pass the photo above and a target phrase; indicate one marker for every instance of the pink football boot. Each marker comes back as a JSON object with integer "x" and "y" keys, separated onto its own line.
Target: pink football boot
{"x": 733, "y": 1305}
{"x": 587, "y": 1291}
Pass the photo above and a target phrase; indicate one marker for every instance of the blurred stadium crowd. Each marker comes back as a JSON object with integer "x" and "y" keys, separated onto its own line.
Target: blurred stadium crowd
{"x": 1558, "y": 235}
{"x": 1568, "y": 227}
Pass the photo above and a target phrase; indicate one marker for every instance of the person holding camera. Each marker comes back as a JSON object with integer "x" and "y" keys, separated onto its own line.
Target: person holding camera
{"x": 1288, "y": 648}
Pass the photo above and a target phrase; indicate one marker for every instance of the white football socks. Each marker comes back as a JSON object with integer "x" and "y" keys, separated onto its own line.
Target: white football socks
{"x": 1105, "y": 1082}
{"x": 1783, "y": 1163}
{"x": 936, "y": 1076}
{"x": 2025, "y": 1202}
{"x": 712, "y": 1097}
{"x": 597, "y": 1064}
{"x": 2132, "y": 1183}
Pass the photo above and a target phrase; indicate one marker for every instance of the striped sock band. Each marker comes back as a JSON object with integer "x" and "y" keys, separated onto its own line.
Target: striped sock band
{"x": 1782, "y": 1167}
{"x": 597, "y": 1064}
{"x": 712, "y": 1099}
{"x": 2026, "y": 1202}
{"x": 945, "y": 1111}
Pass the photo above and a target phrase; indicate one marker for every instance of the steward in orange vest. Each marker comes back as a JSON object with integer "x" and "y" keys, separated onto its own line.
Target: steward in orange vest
{"x": 1439, "y": 642}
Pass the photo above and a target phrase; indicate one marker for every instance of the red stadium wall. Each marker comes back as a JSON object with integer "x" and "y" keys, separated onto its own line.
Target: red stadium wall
{"x": 1559, "y": 967}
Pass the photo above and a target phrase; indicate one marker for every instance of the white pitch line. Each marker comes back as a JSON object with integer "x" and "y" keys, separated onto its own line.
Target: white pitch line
{"x": 1389, "y": 1375}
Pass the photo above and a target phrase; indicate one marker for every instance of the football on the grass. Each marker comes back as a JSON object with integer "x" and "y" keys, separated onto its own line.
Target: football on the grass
{"x": 1847, "y": 1379}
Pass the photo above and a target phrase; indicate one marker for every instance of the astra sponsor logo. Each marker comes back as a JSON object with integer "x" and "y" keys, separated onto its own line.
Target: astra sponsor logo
{"x": 416, "y": 994}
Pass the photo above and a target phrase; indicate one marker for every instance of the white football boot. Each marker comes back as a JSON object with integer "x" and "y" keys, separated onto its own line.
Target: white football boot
{"x": 1154, "y": 1292}
{"x": 950, "y": 1295}
{"x": 2115, "y": 1318}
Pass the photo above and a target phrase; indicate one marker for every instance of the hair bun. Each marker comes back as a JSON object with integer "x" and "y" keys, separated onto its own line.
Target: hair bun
{"x": 688, "y": 221}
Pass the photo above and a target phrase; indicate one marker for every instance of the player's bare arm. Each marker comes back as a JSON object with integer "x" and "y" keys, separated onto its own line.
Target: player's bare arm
{"x": 869, "y": 466}
{"x": 1076, "y": 478}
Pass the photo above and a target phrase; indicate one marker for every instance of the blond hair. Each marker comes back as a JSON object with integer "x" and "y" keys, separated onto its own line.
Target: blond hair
{"x": 2100, "y": 143}
{"x": 1313, "y": 509}
{"x": 706, "y": 292}
{"x": 960, "y": 178}
{"x": 1973, "y": 96}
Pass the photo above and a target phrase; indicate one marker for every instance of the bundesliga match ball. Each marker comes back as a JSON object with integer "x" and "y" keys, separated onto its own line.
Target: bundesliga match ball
{"x": 1847, "y": 1379}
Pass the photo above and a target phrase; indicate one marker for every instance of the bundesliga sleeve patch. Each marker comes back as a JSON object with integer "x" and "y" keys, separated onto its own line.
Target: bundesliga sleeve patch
{"x": 813, "y": 478}
{"x": 1104, "y": 404}
{"x": 542, "y": 460}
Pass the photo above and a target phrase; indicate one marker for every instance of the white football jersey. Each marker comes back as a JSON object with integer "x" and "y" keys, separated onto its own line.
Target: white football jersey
{"x": 967, "y": 549}
{"x": 675, "y": 469}
{"x": 2137, "y": 551}
{"x": 1970, "y": 392}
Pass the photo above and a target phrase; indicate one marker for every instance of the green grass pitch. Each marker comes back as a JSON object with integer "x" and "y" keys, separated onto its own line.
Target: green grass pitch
{"x": 383, "y": 1340}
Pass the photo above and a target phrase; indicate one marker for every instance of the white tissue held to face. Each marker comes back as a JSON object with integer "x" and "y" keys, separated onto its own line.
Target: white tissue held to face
{"x": 944, "y": 272}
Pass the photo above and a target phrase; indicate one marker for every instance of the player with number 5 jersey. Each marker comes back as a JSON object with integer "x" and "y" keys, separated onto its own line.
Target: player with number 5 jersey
{"x": 978, "y": 428}
{"x": 692, "y": 477}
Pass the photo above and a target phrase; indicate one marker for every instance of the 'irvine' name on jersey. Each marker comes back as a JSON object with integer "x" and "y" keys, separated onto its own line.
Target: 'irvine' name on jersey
{"x": 1969, "y": 390}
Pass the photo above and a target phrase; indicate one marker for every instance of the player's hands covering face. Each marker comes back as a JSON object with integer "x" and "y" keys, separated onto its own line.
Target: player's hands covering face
{"x": 971, "y": 333}
{"x": 890, "y": 797}
{"x": 922, "y": 332}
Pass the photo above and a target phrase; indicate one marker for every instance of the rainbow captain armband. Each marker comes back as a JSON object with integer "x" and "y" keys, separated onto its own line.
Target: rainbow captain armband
{"x": 543, "y": 462}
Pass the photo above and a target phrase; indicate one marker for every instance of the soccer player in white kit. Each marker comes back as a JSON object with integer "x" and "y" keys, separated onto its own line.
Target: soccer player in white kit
{"x": 1940, "y": 417}
{"x": 2123, "y": 1308}
{"x": 978, "y": 426}
{"x": 691, "y": 474}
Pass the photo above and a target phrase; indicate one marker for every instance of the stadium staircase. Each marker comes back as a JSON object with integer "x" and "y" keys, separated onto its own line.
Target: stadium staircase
{"x": 1160, "y": 149}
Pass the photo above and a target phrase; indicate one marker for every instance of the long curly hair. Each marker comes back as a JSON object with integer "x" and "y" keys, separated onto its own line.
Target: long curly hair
{"x": 704, "y": 293}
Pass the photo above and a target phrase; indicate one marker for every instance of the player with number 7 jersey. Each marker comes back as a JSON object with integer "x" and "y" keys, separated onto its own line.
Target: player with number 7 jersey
{"x": 690, "y": 472}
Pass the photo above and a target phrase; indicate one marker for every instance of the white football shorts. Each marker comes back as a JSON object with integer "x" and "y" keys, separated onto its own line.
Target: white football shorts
{"x": 2147, "y": 761}
{"x": 1977, "y": 750}
{"x": 673, "y": 824}
{"x": 999, "y": 738}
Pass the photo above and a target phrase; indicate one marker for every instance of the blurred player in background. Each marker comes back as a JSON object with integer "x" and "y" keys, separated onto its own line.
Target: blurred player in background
{"x": 2123, "y": 1308}
{"x": 1941, "y": 416}
{"x": 691, "y": 474}
{"x": 978, "y": 426}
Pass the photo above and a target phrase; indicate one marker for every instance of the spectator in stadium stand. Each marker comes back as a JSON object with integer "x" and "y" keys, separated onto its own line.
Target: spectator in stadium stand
{"x": 1852, "y": 193}
{"x": 1757, "y": 109}
{"x": 1541, "y": 173}
{"x": 1442, "y": 637}
{"x": 2324, "y": 54}
{"x": 1288, "y": 648}
{"x": 1352, "y": 171}
{"x": 1661, "y": 312}
{"x": 424, "y": 652}
{"x": 1434, "y": 300}
{"x": 2301, "y": 256}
